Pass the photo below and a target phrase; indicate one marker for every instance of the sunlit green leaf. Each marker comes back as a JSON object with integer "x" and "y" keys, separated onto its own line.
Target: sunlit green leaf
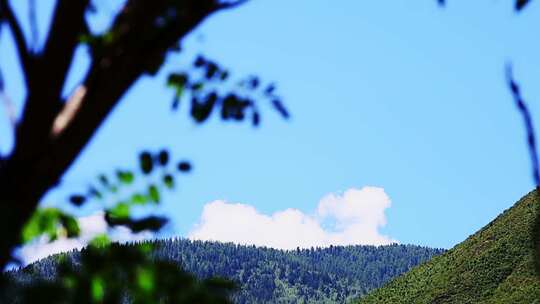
{"x": 139, "y": 199}
{"x": 71, "y": 225}
{"x": 153, "y": 193}
{"x": 31, "y": 230}
{"x": 120, "y": 211}
{"x": 97, "y": 289}
{"x": 100, "y": 241}
{"x": 125, "y": 177}
{"x": 48, "y": 221}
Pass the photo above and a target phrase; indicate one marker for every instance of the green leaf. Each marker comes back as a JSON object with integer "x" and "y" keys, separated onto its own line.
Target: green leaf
{"x": 120, "y": 211}
{"x": 153, "y": 193}
{"x": 201, "y": 110}
{"x": 224, "y": 75}
{"x": 168, "y": 180}
{"x": 31, "y": 230}
{"x": 97, "y": 288}
{"x": 197, "y": 86}
{"x": 43, "y": 221}
{"x": 145, "y": 279}
{"x": 177, "y": 80}
{"x": 100, "y": 241}
{"x": 146, "y": 247}
{"x": 125, "y": 177}
{"x": 145, "y": 162}
{"x": 71, "y": 225}
{"x": 139, "y": 199}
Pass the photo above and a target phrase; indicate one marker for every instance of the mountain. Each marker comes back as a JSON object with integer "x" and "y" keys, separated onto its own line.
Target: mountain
{"x": 264, "y": 275}
{"x": 495, "y": 265}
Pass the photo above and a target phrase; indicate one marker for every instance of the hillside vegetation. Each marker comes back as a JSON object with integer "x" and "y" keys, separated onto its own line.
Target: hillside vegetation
{"x": 264, "y": 275}
{"x": 495, "y": 265}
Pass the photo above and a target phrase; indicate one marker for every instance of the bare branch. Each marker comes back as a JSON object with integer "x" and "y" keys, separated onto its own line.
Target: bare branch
{"x": 67, "y": 26}
{"x": 20, "y": 40}
{"x": 527, "y": 119}
{"x": 49, "y": 73}
{"x": 520, "y": 4}
{"x": 71, "y": 107}
{"x": 116, "y": 68}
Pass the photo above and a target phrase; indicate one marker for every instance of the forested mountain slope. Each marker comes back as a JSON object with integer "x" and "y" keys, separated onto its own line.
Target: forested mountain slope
{"x": 495, "y": 265}
{"x": 264, "y": 275}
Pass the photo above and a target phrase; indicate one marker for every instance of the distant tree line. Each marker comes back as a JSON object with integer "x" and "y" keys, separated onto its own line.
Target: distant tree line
{"x": 336, "y": 274}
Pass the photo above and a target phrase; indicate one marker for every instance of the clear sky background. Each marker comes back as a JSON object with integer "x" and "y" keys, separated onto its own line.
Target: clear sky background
{"x": 401, "y": 95}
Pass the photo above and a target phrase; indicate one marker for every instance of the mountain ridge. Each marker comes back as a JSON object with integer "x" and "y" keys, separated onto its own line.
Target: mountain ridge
{"x": 336, "y": 274}
{"x": 494, "y": 265}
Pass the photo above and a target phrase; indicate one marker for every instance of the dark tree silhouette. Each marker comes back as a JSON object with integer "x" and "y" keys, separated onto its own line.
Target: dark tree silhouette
{"x": 54, "y": 128}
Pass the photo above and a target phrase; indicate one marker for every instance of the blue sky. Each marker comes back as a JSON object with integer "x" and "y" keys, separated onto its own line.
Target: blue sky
{"x": 401, "y": 95}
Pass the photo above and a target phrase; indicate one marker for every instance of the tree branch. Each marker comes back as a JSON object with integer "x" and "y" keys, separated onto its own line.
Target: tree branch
{"x": 67, "y": 26}
{"x": 138, "y": 45}
{"x": 232, "y": 4}
{"x": 527, "y": 119}
{"x": 143, "y": 32}
{"x": 48, "y": 76}
{"x": 18, "y": 35}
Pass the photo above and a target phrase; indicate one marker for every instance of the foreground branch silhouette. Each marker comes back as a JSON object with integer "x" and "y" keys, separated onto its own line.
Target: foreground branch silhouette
{"x": 54, "y": 128}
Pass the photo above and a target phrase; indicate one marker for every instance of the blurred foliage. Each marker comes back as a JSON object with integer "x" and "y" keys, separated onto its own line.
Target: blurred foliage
{"x": 121, "y": 274}
{"x": 203, "y": 85}
{"x": 337, "y": 274}
{"x": 156, "y": 174}
{"x": 206, "y": 85}
{"x": 51, "y": 222}
{"x": 110, "y": 273}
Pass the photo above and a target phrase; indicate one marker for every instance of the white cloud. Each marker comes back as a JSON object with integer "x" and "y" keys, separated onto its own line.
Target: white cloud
{"x": 90, "y": 226}
{"x": 351, "y": 218}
